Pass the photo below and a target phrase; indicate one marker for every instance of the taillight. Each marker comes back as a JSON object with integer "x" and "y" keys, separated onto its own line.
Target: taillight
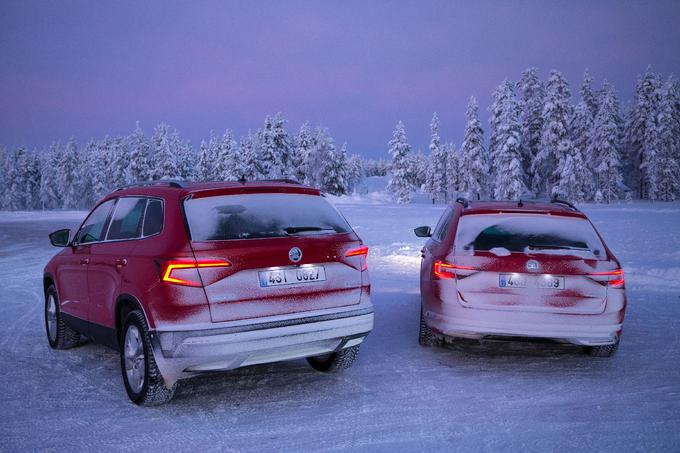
{"x": 186, "y": 272}
{"x": 361, "y": 252}
{"x": 445, "y": 270}
{"x": 613, "y": 278}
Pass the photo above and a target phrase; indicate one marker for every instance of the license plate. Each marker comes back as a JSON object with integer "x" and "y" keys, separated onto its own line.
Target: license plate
{"x": 530, "y": 281}
{"x": 291, "y": 276}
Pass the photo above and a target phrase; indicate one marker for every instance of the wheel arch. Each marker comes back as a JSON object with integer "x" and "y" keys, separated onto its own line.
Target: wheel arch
{"x": 48, "y": 280}
{"x": 124, "y": 305}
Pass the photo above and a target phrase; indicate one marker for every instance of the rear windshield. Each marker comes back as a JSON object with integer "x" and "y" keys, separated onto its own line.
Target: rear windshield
{"x": 526, "y": 233}
{"x": 254, "y": 216}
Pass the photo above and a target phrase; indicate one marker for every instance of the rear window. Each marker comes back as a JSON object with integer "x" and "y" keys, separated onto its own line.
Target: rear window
{"x": 254, "y": 216}
{"x": 526, "y": 233}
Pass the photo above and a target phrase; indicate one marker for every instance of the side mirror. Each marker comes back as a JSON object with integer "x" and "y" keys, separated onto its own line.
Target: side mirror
{"x": 60, "y": 238}
{"x": 423, "y": 232}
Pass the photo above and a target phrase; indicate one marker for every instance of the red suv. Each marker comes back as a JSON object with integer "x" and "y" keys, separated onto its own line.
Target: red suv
{"x": 187, "y": 278}
{"x": 514, "y": 269}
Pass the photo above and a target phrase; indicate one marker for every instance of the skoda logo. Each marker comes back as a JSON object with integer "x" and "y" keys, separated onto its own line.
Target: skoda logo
{"x": 295, "y": 254}
{"x": 532, "y": 265}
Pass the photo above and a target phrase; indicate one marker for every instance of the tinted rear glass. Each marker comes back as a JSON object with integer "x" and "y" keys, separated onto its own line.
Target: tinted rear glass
{"x": 261, "y": 216}
{"x": 527, "y": 233}
{"x": 153, "y": 219}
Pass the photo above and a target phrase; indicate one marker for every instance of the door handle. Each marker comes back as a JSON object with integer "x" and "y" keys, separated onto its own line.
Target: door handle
{"x": 85, "y": 261}
{"x": 121, "y": 262}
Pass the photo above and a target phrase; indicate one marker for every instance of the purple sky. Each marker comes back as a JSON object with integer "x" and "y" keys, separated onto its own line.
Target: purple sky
{"x": 89, "y": 69}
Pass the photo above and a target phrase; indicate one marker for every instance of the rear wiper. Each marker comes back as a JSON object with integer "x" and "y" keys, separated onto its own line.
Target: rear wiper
{"x": 555, "y": 246}
{"x": 300, "y": 229}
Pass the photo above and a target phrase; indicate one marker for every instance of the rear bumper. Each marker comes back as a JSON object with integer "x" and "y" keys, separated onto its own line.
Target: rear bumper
{"x": 551, "y": 326}
{"x": 448, "y": 316}
{"x": 183, "y": 353}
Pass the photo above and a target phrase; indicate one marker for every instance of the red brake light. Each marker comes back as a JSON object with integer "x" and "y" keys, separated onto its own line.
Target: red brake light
{"x": 614, "y": 278}
{"x": 186, "y": 273}
{"x": 362, "y": 252}
{"x": 442, "y": 269}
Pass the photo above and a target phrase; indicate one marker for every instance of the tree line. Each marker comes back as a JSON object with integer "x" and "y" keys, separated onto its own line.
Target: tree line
{"x": 69, "y": 176}
{"x": 542, "y": 145}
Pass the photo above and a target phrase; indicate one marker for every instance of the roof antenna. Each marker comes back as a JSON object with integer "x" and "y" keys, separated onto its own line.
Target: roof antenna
{"x": 520, "y": 204}
{"x": 242, "y": 179}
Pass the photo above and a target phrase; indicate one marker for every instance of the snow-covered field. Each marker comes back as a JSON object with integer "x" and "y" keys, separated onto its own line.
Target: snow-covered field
{"x": 398, "y": 396}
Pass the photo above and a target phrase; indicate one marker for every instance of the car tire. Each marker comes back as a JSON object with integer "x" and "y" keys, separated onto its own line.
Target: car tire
{"x": 607, "y": 350}
{"x": 426, "y": 336}
{"x": 335, "y": 361}
{"x": 59, "y": 334}
{"x": 142, "y": 378}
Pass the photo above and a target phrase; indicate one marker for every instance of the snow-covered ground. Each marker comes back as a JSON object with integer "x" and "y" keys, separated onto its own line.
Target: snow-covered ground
{"x": 398, "y": 396}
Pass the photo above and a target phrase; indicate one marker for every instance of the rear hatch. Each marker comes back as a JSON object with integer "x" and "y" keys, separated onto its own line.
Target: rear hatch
{"x": 275, "y": 254}
{"x": 530, "y": 262}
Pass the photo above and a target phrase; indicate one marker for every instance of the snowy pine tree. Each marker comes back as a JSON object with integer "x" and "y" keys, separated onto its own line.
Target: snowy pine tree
{"x": 555, "y": 137}
{"x": 119, "y": 168}
{"x": 606, "y": 146}
{"x": 399, "y": 185}
{"x": 436, "y": 178}
{"x": 531, "y": 95}
{"x": 639, "y": 153}
{"x": 165, "y": 143}
{"x": 247, "y": 163}
{"x": 505, "y": 152}
{"x": 140, "y": 158}
{"x": 452, "y": 170}
{"x": 282, "y": 147}
{"x": 304, "y": 143}
{"x": 50, "y": 184}
{"x": 335, "y": 173}
{"x": 226, "y": 165}
{"x": 581, "y": 128}
{"x": 355, "y": 173}
{"x": 70, "y": 175}
{"x": 668, "y": 168}
{"x": 319, "y": 158}
{"x": 473, "y": 164}
{"x": 586, "y": 93}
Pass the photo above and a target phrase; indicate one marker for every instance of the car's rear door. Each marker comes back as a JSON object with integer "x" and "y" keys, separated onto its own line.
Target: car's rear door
{"x": 288, "y": 253}
{"x": 109, "y": 259}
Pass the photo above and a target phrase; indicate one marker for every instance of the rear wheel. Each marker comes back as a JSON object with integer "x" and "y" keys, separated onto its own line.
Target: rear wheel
{"x": 607, "y": 350}
{"x": 426, "y": 336}
{"x": 59, "y": 335}
{"x": 143, "y": 381}
{"x": 335, "y": 361}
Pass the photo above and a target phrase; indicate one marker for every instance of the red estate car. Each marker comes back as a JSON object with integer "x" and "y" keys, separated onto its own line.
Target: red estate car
{"x": 187, "y": 278}
{"x": 514, "y": 269}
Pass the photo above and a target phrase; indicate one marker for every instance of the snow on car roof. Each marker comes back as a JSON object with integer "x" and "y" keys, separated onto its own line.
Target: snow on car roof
{"x": 535, "y": 207}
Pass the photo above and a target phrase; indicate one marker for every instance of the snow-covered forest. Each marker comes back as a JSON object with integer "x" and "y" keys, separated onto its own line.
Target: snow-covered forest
{"x": 542, "y": 145}
{"x": 539, "y": 144}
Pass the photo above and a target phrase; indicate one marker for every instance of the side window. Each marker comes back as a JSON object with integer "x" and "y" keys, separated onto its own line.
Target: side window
{"x": 153, "y": 219}
{"x": 93, "y": 229}
{"x": 443, "y": 225}
{"x": 126, "y": 222}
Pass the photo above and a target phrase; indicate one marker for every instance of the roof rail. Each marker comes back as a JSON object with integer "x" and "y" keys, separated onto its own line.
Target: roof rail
{"x": 176, "y": 183}
{"x": 463, "y": 201}
{"x": 285, "y": 180}
{"x": 564, "y": 203}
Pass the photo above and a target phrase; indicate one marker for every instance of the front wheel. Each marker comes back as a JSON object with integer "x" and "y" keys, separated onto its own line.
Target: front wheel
{"x": 143, "y": 381}
{"x": 335, "y": 361}
{"x": 59, "y": 334}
